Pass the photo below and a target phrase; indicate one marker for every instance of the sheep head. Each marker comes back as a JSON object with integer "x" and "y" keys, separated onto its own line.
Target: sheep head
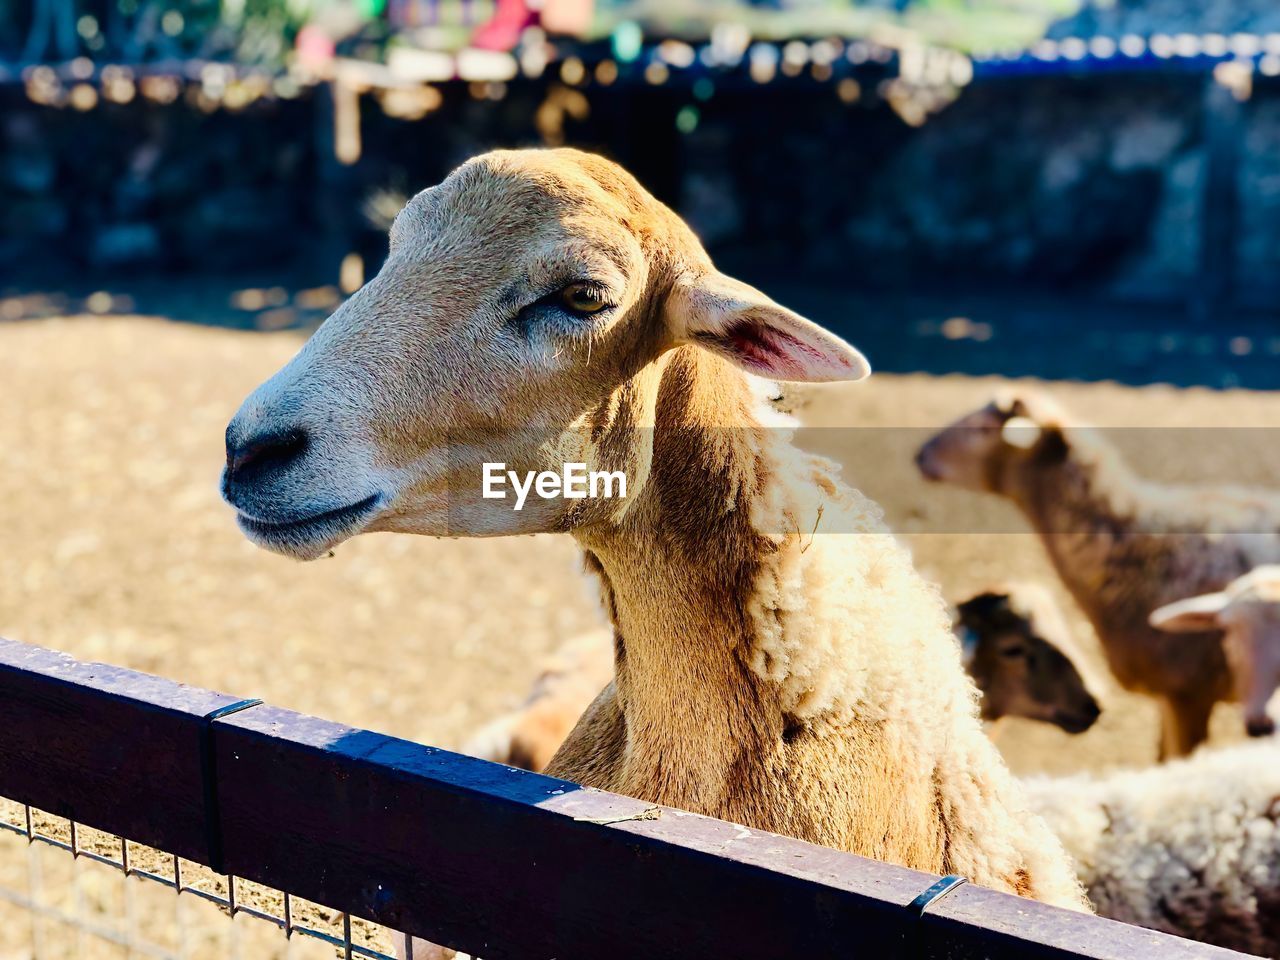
{"x": 1024, "y": 659}
{"x": 1248, "y": 614}
{"x": 982, "y": 449}
{"x": 520, "y": 299}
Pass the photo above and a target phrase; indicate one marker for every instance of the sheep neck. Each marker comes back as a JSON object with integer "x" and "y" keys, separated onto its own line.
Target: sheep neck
{"x": 677, "y": 570}
{"x": 781, "y": 687}
{"x": 1084, "y": 508}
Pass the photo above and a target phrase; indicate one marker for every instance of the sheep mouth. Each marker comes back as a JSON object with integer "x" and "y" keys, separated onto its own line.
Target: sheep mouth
{"x": 1074, "y": 723}
{"x": 307, "y": 535}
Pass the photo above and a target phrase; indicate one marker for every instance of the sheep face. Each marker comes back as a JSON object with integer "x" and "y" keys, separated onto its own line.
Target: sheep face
{"x": 1025, "y": 662}
{"x": 1252, "y": 645}
{"x": 983, "y": 449}
{"x": 519, "y": 298}
{"x": 1248, "y": 613}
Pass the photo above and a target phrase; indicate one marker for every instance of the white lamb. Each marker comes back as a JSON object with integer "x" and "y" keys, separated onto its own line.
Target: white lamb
{"x": 1191, "y": 847}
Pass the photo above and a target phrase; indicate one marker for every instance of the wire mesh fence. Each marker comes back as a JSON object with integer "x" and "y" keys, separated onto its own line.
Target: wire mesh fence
{"x": 67, "y": 890}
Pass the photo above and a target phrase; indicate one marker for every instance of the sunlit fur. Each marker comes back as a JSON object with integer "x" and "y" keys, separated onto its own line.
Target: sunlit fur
{"x": 1122, "y": 545}
{"x": 808, "y": 685}
{"x": 1049, "y": 679}
{"x": 802, "y": 683}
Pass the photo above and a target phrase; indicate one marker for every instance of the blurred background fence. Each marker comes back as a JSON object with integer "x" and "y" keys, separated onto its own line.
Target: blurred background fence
{"x": 984, "y": 155}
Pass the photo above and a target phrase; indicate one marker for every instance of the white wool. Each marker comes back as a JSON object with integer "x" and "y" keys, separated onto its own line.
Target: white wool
{"x": 1191, "y": 847}
{"x": 767, "y": 395}
{"x": 850, "y": 633}
{"x": 840, "y": 597}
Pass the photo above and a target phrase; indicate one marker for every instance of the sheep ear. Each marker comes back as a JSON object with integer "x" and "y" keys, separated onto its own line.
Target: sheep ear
{"x": 1048, "y": 442}
{"x": 969, "y": 643}
{"x": 1193, "y": 615}
{"x": 747, "y": 328}
{"x": 1020, "y": 432}
{"x": 1008, "y": 403}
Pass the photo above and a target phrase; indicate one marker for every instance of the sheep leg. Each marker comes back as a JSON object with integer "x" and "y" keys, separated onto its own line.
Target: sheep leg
{"x": 1184, "y": 725}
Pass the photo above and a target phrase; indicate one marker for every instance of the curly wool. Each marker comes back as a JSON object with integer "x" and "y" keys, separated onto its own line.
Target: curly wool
{"x": 1190, "y": 848}
{"x": 850, "y": 634}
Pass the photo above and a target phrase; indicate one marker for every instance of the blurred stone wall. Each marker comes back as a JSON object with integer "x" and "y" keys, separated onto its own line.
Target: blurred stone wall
{"x": 149, "y": 186}
{"x": 1043, "y": 181}
{"x": 1258, "y": 263}
{"x": 1047, "y": 181}
{"x": 1087, "y": 182}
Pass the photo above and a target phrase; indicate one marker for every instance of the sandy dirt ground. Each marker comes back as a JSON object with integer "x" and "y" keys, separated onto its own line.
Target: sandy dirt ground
{"x": 115, "y": 546}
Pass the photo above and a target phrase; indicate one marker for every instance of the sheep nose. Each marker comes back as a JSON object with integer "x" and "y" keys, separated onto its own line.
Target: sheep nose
{"x": 1079, "y": 720}
{"x": 1092, "y": 712}
{"x": 925, "y": 463}
{"x": 1260, "y": 726}
{"x": 264, "y": 452}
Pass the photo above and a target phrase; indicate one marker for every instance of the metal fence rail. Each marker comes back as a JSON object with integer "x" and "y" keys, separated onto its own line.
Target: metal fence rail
{"x": 494, "y": 861}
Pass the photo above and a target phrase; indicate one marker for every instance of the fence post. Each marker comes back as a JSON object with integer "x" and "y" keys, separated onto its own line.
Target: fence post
{"x": 334, "y": 181}
{"x": 1219, "y": 215}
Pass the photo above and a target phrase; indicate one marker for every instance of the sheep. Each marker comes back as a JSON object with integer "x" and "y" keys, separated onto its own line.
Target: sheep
{"x": 1024, "y": 659}
{"x": 1122, "y": 545}
{"x": 1014, "y": 644}
{"x": 1191, "y": 847}
{"x": 540, "y": 309}
{"x": 1248, "y": 614}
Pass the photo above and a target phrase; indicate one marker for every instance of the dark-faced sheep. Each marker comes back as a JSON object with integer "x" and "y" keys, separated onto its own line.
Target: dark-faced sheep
{"x": 1024, "y": 659}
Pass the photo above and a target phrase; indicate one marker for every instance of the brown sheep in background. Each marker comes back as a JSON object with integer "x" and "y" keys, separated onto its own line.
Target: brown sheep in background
{"x": 529, "y": 736}
{"x": 1122, "y": 545}
{"x": 1248, "y": 613}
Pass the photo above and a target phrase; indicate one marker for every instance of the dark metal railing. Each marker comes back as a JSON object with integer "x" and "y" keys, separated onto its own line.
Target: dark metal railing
{"x": 485, "y": 858}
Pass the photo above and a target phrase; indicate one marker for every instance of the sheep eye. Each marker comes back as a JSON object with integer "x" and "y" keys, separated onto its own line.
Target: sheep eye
{"x": 1013, "y": 653}
{"x": 583, "y": 298}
